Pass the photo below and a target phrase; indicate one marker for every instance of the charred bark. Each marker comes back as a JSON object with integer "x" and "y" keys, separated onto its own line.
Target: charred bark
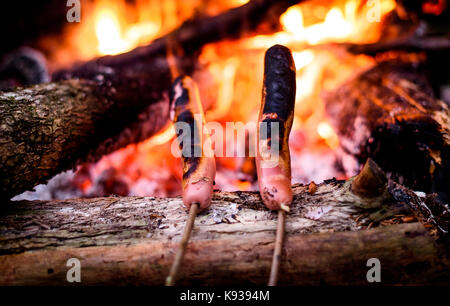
{"x": 133, "y": 241}
{"x": 410, "y": 44}
{"x": 390, "y": 114}
{"x": 47, "y": 128}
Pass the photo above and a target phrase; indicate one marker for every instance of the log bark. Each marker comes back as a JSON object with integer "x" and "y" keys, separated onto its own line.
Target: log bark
{"x": 391, "y": 115}
{"x": 133, "y": 241}
{"x": 48, "y": 128}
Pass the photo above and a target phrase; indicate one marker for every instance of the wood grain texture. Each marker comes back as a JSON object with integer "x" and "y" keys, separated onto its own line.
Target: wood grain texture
{"x": 133, "y": 241}
{"x": 47, "y": 128}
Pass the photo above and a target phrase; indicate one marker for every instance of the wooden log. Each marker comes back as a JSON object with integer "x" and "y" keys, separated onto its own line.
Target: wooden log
{"x": 409, "y": 44}
{"x": 133, "y": 240}
{"x": 48, "y": 128}
{"x": 390, "y": 114}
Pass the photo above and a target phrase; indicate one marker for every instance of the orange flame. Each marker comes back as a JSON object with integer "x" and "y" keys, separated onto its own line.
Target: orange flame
{"x": 231, "y": 75}
{"x": 340, "y": 24}
{"x": 113, "y": 38}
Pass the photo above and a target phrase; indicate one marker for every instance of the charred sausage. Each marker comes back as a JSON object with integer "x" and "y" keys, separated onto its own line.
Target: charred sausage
{"x": 199, "y": 166}
{"x": 277, "y": 108}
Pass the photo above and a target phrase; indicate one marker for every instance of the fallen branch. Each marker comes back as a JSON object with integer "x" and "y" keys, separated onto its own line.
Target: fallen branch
{"x": 134, "y": 240}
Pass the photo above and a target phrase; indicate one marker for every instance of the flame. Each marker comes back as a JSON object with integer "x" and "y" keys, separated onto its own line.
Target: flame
{"x": 112, "y": 27}
{"x": 164, "y": 136}
{"x": 302, "y": 58}
{"x": 292, "y": 20}
{"x": 113, "y": 38}
{"x": 340, "y": 24}
{"x": 226, "y": 89}
{"x": 230, "y": 78}
{"x": 433, "y": 7}
{"x": 327, "y": 133}
{"x": 109, "y": 34}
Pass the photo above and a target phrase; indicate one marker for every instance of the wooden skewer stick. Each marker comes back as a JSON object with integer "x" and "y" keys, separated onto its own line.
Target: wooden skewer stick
{"x": 276, "y": 259}
{"x": 170, "y": 280}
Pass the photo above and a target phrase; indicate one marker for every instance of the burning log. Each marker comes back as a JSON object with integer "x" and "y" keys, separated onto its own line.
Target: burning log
{"x": 133, "y": 240}
{"x": 390, "y": 114}
{"x": 410, "y": 44}
{"x": 118, "y": 100}
{"x": 183, "y": 42}
{"x": 47, "y": 128}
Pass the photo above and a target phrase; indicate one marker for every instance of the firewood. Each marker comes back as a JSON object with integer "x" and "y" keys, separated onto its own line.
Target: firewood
{"x": 410, "y": 44}
{"x": 391, "y": 115}
{"x": 47, "y": 128}
{"x": 134, "y": 239}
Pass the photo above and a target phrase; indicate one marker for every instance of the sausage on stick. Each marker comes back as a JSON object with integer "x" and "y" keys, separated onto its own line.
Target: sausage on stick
{"x": 199, "y": 166}
{"x": 274, "y": 167}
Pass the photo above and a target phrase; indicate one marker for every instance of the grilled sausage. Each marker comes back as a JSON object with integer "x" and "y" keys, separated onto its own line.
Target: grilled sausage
{"x": 198, "y": 171}
{"x": 277, "y": 107}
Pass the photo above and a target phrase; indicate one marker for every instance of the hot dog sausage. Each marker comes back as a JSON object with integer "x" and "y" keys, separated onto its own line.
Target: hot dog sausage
{"x": 199, "y": 170}
{"x": 277, "y": 106}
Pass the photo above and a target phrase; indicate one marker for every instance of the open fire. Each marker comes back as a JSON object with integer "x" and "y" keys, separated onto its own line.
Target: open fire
{"x": 322, "y": 124}
{"x": 229, "y": 75}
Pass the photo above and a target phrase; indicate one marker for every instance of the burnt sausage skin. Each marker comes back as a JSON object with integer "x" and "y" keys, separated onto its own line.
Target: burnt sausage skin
{"x": 277, "y": 106}
{"x": 199, "y": 170}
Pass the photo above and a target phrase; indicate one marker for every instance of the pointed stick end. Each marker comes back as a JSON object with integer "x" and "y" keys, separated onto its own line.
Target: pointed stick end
{"x": 169, "y": 281}
{"x": 285, "y": 208}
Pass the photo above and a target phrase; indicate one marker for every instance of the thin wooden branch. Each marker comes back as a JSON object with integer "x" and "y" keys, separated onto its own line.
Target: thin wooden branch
{"x": 277, "y": 253}
{"x": 171, "y": 279}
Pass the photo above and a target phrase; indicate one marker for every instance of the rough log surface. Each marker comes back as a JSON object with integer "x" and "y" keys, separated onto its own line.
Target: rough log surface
{"x": 47, "y": 128}
{"x": 133, "y": 241}
{"x": 390, "y": 114}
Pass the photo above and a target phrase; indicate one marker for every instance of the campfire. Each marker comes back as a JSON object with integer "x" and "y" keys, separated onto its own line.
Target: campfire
{"x": 228, "y": 73}
{"x": 86, "y": 110}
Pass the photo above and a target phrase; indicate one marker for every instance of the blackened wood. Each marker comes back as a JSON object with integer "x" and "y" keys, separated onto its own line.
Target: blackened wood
{"x": 390, "y": 114}
{"x": 410, "y": 44}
